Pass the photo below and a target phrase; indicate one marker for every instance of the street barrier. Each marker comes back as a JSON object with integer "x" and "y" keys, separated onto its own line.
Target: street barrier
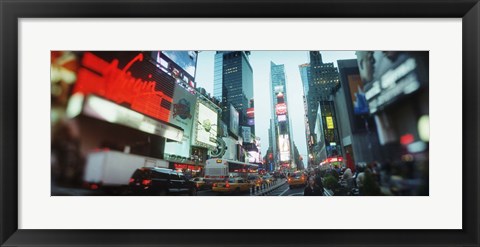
{"x": 267, "y": 188}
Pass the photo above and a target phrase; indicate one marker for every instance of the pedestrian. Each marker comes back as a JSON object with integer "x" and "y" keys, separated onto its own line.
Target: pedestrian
{"x": 312, "y": 189}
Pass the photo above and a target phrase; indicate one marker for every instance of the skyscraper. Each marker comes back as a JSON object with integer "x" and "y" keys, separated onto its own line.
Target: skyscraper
{"x": 305, "y": 76}
{"x": 233, "y": 84}
{"x": 323, "y": 78}
{"x": 281, "y": 132}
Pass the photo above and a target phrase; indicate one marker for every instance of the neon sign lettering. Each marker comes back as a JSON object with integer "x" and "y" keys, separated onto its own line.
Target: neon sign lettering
{"x": 119, "y": 85}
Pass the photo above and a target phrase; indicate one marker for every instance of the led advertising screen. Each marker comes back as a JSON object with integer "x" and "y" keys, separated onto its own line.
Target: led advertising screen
{"x": 206, "y": 126}
{"x": 178, "y": 64}
{"x": 246, "y": 133}
{"x": 187, "y": 60}
{"x": 234, "y": 120}
{"x": 128, "y": 79}
{"x": 284, "y": 147}
{"x": 329, "y": 122}
{"x": 282, "y": 118}
{"x": 181, "y": 115}
{"x": 281, "y": 109}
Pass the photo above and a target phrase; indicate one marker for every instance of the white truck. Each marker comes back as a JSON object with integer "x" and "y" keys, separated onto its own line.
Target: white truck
{"x": 113, "y": 169}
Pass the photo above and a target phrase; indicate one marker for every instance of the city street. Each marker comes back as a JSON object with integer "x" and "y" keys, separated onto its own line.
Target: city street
{"x": 171, "y": 122}
{"x": 282, "y": 190}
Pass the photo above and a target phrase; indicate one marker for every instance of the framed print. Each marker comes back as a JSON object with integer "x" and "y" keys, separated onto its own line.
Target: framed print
{"x": 208, "y": 123}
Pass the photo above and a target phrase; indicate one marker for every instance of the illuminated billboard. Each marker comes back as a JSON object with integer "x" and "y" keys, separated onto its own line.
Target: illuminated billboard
{"x": 329, "y": 122}
{"x": 282, "y": 118}
{"x": 250, "y": 112}
{"x": 360, "y": 105}
{"x": 281, "y": 109}
{"x": 390, "y": 75}
{"x": 205, "y": 126}
{"x": 100, "y": 108}
{"x": 234, "y": 120}
{"x": 178, "y": 64}
{"x": 187, "y": 60}
{"x": 246, "y": 133}
{"x": 181, "y": 114}
{"x": 284, "y": 147}
{"x": 128, "y": 79}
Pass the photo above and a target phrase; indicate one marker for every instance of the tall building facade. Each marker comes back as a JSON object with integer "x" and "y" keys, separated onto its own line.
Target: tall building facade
{"x": 319, "y": 80}
{"x": 233, "y": 85}
{"x": 305, "y": 76}
{"x": 280, "y": 124}
{"x": 323, "y": 78}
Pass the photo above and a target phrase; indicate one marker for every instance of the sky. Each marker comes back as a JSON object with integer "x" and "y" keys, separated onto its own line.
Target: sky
{"x": 260, "y": 62}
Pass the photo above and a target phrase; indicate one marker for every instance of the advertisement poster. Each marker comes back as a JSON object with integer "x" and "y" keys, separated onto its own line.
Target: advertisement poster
{"x": 234, "y": 120}
{"x": 391, "y": 75}
{"x": 284, "y": 147}
{"x": 181, "y": 115}
{"x": 329, "y": 122}
{"x": 360, "y": 105}
{"x": 206, "y": 126}
{"x": 246, "y": 133}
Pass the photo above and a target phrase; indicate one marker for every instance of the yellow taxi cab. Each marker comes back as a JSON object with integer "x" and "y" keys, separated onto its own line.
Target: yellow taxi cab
{"x": 199, "y": 183}
{"x": 297, "y": 179}
{"x": 232, "y": 185}
{"x": 255, "y": 180}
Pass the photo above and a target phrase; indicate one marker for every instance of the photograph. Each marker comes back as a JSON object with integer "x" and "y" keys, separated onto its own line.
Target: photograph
{"x": 240, "y": 123}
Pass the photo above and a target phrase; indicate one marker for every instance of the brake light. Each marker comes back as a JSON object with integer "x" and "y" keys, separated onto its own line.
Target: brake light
{"x": 146, "y": 181}
{"x": 227, "y": 185}
{"x": 214, "y": 185}
{"x": 289, "y": 180}
{"x": 131, "y": 180}
{"x": 93, "y": 186}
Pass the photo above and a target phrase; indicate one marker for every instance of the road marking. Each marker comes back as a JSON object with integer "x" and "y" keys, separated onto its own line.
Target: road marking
{"x": 284, "y": 191}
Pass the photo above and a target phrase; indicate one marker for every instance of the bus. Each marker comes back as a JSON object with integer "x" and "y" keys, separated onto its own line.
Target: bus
{"x": 216, "y": 170}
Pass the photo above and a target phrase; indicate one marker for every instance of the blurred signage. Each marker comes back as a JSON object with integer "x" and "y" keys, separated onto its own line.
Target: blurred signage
{"x": 206, "y": 126}
{"x": 127, "y": 79}
{"x": 250, "y": 121}
{"x": 234, "y": 120}
{"x": 329, "y": 122}
{"x": 111, "y": 112}
{"x": 250, "y": 112}
{"x": 282, "y": 118}
{"x": 360, "y": 105}
{"x": 393, "y": 75}
{"x": 281, "y": 109}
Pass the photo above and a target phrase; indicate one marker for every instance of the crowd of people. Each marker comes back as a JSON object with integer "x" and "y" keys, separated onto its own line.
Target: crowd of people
{"x": 373, "y": 179}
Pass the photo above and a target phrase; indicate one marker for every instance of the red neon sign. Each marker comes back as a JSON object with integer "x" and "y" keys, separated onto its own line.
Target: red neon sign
{"x": 107, "y": 80}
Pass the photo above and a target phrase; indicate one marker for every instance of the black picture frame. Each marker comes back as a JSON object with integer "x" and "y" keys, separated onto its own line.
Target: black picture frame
{"x": 11, "y": 11}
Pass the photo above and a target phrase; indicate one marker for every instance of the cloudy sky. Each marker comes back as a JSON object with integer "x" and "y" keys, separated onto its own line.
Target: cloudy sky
{"x": 260, "y": 61}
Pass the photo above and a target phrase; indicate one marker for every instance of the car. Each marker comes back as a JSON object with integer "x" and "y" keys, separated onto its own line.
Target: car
{"x": 232, "y": 185}
{"x": 255, "y": 180}
{"x": 296, "y": 179}
{"x": 160, "y": 181}
{"x": 199, "y": 183}
{"x": 268, "y": 178}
